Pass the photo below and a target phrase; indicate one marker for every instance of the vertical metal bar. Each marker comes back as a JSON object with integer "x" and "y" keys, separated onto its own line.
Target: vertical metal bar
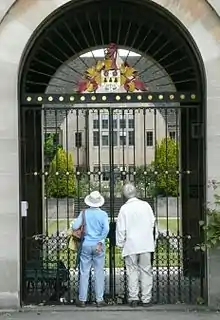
{"x": 26, "y": 283}
{"x": 134, "y": 146}
{"x": 79, "y": 181}
{"x": 87, "y": 129}
{"x": 76, "y": 112}
{"x": 167, "y": 206}
{"x": 88, "y": 170}
{"x": 57, "y": 173}
{"x": 87, "y": 116}
{"x": 202, "y": 199}
{"x": 99, "y": 151}
{"x": 199, "y": 191}
{"x": 112, "y": 215}
{"x": 34, "y": 173}
{"x": 123, "y": 127}
{"x": 178, "y": 192}
{"x": 46, "y": 168}
{"x": 187, "y": 199}
{"x": 157, "y": 260}
{"x": 123, "y": 144}
{"x": 145, "y": 151}
{"x": 35, "y": 167}
{"x": 46, "y": 165}
{"x": 69, "y": 176}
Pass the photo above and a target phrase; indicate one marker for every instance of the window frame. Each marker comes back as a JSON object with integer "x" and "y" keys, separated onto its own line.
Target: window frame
{"x": 147, "y": 139}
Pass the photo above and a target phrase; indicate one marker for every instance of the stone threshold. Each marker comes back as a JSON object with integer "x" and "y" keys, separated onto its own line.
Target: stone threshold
{"x": 182, "y": 308}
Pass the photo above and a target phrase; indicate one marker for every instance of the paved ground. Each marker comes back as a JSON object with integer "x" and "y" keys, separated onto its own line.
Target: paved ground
{"x": 112, "y": 314}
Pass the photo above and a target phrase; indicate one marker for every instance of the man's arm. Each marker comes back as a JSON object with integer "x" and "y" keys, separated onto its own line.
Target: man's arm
{"x": 151, "y": 215}
{"x": 78, "y": 222}
{"x": 120, "y": 230}
{"x": 153, "y": 221}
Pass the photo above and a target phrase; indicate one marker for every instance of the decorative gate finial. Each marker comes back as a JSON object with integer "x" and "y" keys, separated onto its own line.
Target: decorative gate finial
{"x": 111, "y": 75}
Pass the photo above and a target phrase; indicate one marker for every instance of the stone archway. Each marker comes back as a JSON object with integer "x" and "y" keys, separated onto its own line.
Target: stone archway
{"x": 25, "y": 23}
{"x": 153, "y": 32}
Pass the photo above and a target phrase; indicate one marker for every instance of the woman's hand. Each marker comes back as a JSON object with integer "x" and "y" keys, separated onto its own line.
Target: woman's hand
{"x": 99, "y": 247}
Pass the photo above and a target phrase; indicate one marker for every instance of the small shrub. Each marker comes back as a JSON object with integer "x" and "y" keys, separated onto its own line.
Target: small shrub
{"x": 61, "y": 180}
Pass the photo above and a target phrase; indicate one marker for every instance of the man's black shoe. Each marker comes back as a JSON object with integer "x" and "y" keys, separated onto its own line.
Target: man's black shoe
{"x": 147, "y": 304}
{"x": 134, "y": 303}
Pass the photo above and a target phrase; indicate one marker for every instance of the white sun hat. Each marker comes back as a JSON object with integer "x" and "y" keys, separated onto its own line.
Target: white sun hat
{"x": 94, "y": 199}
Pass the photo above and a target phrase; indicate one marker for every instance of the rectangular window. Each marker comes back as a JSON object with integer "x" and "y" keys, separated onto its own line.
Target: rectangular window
{"x": 104, "y": 123}
{"x": 78, "y": 139}
{"x": 131, "y": 138}
{"x": 123, "y": 140}
{"x": 96, "y": 138}
{"x": 131, "y": 123}
{"x": 131, "y": 168}
{"x": 149, "y": 139}
{"x": 95, "y": 173}
{"x": 122, "y": 123}
{"x": 96, "y": 169}
{"x": 131, "y": 172}
{"x": 115, "y": 138}
{"x": 172, "y": 135}
{"x": 115, "y": 124}
{"x": 105, "y": 139}
{"x": 105, "y": 173}
{"x": 95, "y": 124}
{"x": 56, "y": 138}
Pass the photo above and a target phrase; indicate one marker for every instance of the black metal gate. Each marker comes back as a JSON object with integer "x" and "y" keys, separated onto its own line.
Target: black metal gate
{"x": 119, "y": 126}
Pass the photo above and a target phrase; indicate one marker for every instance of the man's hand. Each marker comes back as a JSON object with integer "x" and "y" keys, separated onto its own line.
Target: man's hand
{"x": 99, "y": 247}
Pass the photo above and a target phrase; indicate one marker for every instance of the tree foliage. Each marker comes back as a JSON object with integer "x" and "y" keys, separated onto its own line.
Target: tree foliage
{"x": 166, "y": 165}
{"x": 61, "y": 178}
{"x": 145, "y": 181}
{"x": 210, "y": 226}
{"x": 50, "y": 147}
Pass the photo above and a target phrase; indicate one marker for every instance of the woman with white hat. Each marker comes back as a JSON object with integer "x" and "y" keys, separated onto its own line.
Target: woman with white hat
{"x": 96, "y": 228}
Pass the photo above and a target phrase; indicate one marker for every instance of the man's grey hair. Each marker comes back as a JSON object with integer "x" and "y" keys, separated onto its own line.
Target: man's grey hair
{"x": 129, "y": 190}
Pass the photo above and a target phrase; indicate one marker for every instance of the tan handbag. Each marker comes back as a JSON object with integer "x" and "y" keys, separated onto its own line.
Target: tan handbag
{"x": 72, "y": 245}
{"x": 75, "y": 236}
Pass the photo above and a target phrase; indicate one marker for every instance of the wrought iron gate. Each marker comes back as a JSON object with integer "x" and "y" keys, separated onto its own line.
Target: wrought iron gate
{"x": 110, "y": 146}
{"x": 138, "y": 119}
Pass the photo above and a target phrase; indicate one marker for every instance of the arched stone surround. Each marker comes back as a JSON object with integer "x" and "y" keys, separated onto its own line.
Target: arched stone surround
{"x": 19, "y": 19}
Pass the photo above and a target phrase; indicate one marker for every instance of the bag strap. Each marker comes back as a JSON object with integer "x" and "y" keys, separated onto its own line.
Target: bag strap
{"x": 83, "y": 217}
{"x": 83, "y": 220}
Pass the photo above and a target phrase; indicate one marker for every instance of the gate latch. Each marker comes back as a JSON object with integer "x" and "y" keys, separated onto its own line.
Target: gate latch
{"x": 197, "y": 130}
{"x": 24, "y": 208}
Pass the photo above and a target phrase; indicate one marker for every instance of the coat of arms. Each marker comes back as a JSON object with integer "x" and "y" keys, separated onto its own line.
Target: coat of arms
{"x": 111, "y": 75}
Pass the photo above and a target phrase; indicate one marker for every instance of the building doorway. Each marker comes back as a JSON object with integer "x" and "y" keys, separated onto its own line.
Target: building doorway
{"x": 108, "y": 96}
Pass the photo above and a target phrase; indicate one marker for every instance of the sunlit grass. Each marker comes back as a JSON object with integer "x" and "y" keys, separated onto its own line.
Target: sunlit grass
{"x": 163, "y": 256}
{"x": 173, "y": 224}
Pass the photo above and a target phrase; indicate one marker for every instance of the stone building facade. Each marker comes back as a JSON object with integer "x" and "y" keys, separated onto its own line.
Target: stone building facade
{"x": 18, "y": 20}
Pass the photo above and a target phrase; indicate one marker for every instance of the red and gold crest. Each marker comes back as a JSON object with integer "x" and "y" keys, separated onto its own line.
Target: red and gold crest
{"x": 111, "y": 75}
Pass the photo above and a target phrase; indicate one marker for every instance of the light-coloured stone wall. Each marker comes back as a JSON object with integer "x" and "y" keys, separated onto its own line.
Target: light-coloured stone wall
{"x": 215, "y": 4}
{"x": 15, "y": 30}
{"x": 5, "y": 6}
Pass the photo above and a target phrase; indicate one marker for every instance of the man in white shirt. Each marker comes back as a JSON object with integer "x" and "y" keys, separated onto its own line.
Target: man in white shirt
{"x": 135, "y": 235}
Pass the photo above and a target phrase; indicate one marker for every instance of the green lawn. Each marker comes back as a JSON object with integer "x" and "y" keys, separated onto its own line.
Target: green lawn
{"x": 164, "y": 256}
{"x": 173, "y": 225}
{"x": 54, "y": 225}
